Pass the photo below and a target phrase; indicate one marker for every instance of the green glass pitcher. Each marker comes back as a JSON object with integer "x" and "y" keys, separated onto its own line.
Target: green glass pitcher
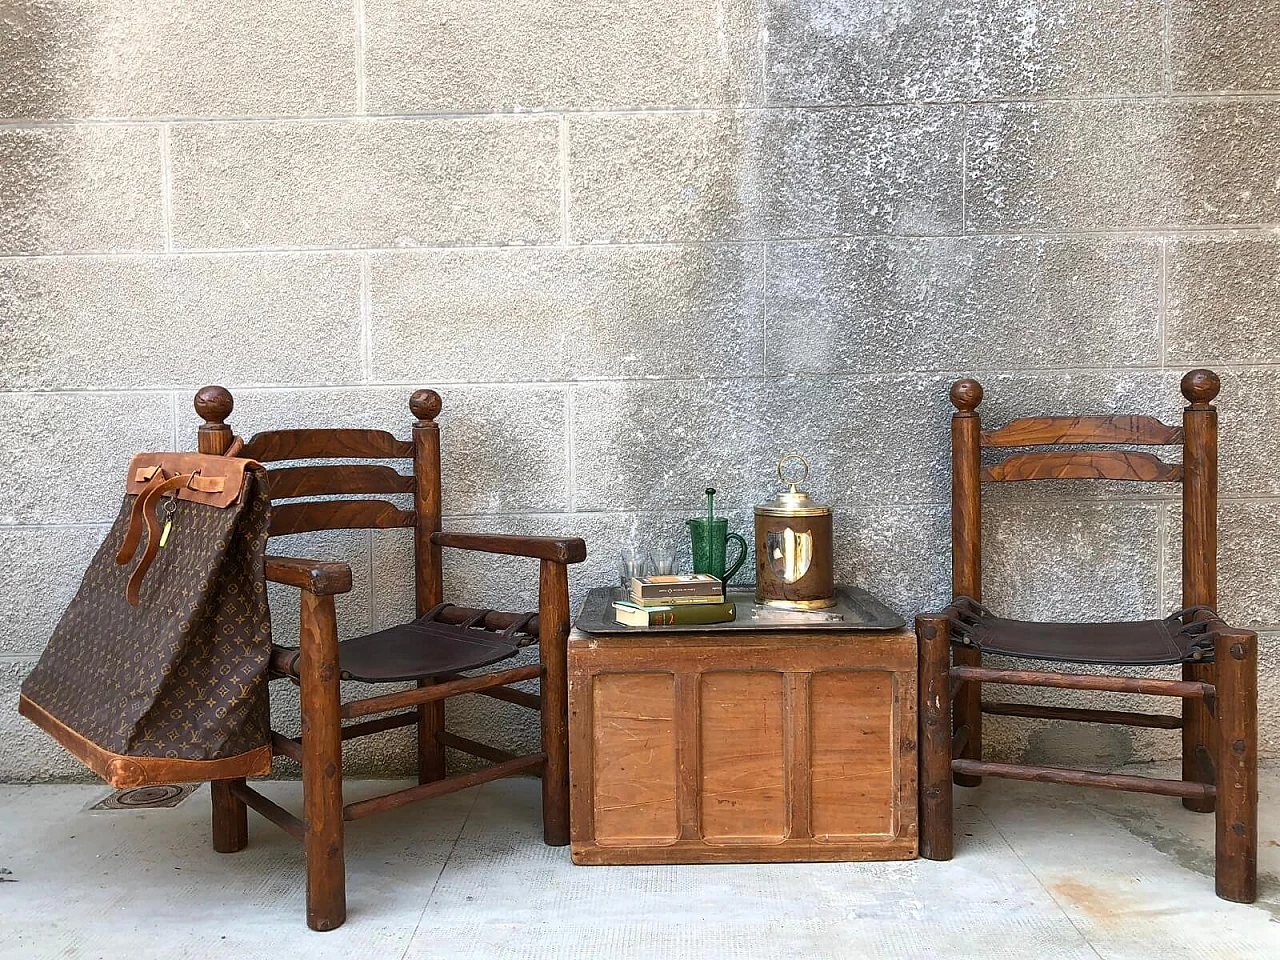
{"x": 711, "y": 537}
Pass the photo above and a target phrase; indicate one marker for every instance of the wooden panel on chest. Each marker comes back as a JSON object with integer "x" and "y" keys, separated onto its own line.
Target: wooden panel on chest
{"x": 766, "y": 746}
{"x": 852, "y": 754}
{"x": 634, "y": 795}
{"x": 740, "y": 739}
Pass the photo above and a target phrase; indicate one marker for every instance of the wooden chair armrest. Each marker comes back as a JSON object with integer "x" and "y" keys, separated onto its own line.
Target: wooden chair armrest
{"x": 555, "y": 549}
{"x": 321, "y": 577}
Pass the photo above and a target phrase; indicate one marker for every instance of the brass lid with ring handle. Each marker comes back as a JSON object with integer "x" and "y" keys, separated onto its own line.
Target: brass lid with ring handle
{"x": 794, "y": 502}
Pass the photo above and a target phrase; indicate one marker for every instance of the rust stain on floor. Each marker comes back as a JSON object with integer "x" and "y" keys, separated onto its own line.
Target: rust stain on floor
{"x": 1102, "y": 906}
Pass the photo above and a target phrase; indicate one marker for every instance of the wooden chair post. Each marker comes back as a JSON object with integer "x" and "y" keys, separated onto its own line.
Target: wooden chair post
{"x": 966, "y": 551}
{"x": 319, "y": 680}
{"x": 934, "y": 688}
{"x": 214, "y": 405}
{"x": 1199, "y": 563}
{"x": 229, "y": 813}
{"x": 1236, "y": 850}
{"x": 429, "y": 573}
{"x": 429, "y": 582}
{"x": 553, "y": 648}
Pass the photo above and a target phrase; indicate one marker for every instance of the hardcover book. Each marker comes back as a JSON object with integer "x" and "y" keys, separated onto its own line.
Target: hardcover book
{"x": 677, "y": 588}
{"x": 684, "y": 614}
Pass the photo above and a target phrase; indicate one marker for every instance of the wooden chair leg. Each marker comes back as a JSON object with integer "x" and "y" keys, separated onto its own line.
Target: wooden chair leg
{"x": 431, "y": 758}
{"x": 1236, "y": 848}
{"x": 1198, "y": 737}
{"x": 553, "y": 618}
{"x": 230, "y": 818}
{"x": 936, "y": 816}
{"x": 968, "y": 714}
{"x": 322, "y": 764}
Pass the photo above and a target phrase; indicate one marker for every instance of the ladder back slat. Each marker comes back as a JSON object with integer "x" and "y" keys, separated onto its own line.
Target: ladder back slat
{"x": 1040, "y": 431}
{"x": 1083, "y": 465}
{"x": 273, "y": 445}
{"x": 323, "y": 481}
{"x": 337, "y": 515}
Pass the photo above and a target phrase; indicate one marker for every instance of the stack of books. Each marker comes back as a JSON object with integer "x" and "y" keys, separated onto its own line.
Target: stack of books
{"x": 674, "y": 600}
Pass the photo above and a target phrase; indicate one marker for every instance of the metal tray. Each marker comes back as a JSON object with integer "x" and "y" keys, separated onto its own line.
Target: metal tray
{"x": 861, "y": 611}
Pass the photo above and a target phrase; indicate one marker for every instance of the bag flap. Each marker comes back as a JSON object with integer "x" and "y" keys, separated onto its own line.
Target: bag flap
{"x": 218, "y": 481}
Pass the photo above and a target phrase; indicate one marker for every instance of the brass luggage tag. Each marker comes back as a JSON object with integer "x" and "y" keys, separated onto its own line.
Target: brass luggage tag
{"x": 170, "y": 508}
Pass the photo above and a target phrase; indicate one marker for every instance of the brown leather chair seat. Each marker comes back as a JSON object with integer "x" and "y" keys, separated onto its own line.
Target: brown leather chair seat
{"x": 1176, "y": 639}
{"x": 418, "y": 650}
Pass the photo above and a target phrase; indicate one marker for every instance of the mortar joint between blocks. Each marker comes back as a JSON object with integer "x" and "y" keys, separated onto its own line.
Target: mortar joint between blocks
{"x": 174, "y": 413}
{"x": 1166, "y": 54}
{"x": 366, "y": 318}
{"x": 361, "y": 91}
{"x": 1162, "y": 303}
{"x": 964, "y": 169}
{"x": 166, "y": 188}
{"x": 562, "y": 145}
{"x": 570, "y": 469}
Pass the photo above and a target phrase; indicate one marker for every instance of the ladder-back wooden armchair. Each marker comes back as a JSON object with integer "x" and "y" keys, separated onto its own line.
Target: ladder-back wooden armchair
{"x": 1218, "y": 688}
{"x": 432, "y": 650}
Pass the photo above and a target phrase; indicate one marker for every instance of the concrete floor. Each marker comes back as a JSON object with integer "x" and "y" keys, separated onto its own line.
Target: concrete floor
{"x": 1041, "y": 872}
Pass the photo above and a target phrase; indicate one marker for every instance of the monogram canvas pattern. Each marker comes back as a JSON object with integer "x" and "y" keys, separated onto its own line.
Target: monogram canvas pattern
{"x": 183, "y": 675}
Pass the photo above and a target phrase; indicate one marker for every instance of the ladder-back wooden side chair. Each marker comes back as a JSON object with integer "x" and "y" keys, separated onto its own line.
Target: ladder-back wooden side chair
{"x": 433, "y": 650}
{"x": 1218, "y": 688}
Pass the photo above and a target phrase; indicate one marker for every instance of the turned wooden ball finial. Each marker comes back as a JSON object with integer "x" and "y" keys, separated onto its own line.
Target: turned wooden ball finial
{"x": 966, "y": 394}
{"x": 1201, "y": 386}
{"x": 425, "y": 404}
{"x": 214, "y": 404}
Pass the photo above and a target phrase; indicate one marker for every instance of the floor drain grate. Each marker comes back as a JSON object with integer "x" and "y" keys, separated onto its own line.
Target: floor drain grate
{"x": 147, "y": 798}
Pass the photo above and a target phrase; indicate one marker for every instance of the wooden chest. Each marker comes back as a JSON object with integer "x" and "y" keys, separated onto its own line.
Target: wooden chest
{"x": 742, "y": 747}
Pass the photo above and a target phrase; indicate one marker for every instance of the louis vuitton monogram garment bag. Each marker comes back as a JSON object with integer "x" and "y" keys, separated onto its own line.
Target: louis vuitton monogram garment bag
{"x": 157, "y": 671}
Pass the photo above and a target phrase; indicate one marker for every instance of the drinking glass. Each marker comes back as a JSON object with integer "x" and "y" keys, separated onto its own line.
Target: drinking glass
{"x": 631, "y": 564}
{"x": 662, "y": 560}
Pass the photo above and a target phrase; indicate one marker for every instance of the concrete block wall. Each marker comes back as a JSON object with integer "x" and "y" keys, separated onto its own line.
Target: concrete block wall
{"x": 640, "y": 247}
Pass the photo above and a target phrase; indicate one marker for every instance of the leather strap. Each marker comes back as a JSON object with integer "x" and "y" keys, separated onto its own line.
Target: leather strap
{"x": 218, "y": 480}
{"x": 207, "y": 484}
{"x": 963, "y": 613}
{"x": 213, "y": 480}
{"x": 516, "y": 627}
{"x": 148, "y": 500}
{"x": 477, "y": 617}
{"x": 133, "y": 536}
{"x": 434, "y": 612}
{"x": 198, "y": 482}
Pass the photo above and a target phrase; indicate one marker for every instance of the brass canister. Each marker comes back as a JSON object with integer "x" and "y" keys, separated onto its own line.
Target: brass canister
{"x": 793, "y": 547}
